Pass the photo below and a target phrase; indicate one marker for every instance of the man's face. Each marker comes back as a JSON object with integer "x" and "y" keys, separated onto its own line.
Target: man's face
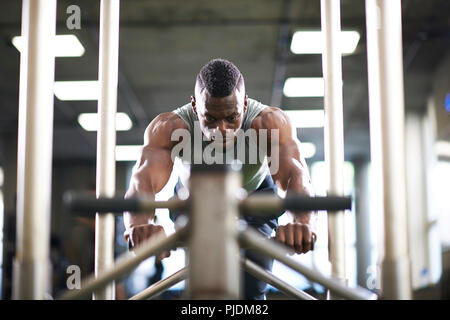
{"x": 220, "y": 115}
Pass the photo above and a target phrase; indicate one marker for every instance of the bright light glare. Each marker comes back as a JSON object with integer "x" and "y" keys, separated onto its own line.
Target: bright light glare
{"x": 311, "y": 42}
{"x": 127, "y": 152}
{"x": 89, "y": 121}
{"x": 76, "y": 90}
{"x": 442, "y": 148}
{"x": 306, "y": 118}
{"x": 67, "y": 45}
{"x": 307, "y": 149}
{"x": 304, "y": 87}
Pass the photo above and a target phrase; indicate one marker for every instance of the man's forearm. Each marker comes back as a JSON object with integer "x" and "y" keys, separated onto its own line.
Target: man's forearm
{"x": 299, "y": 183}
{"x": 131, "y": 219}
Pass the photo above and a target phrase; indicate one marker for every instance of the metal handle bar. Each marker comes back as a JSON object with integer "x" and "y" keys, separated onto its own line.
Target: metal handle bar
{"x": 261, "y": 205}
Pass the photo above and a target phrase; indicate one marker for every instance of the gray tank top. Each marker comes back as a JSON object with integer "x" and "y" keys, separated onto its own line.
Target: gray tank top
{"x": 253, "y": 172}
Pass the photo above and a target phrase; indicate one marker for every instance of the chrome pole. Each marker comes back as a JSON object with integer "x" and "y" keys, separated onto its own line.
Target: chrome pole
{"x": 255, "y": 240}
{"x": 268, "y": 205}
{"x": 387, "y": 125}
{"x": 106, "y": 138}
{"x": 213, "y": 247}
{"x": 266, "y": 276}
{"x": 334, "y": 128}
{"x": 86, "y": 205}
{"x": 31, "y": 276}
{"x": 125, "y": 263}
{"x": 161, "y": 285}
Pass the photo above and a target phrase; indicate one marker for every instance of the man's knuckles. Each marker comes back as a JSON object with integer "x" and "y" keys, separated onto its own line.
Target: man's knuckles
{"x": 295, "y": 235}
{"x": 141, "y": 233}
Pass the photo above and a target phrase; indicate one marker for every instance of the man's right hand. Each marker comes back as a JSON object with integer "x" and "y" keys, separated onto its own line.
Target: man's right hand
{"x": 140, "y": 233}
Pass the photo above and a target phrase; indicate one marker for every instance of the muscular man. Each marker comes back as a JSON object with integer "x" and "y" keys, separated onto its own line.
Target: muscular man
{"x": 220, "y": 105}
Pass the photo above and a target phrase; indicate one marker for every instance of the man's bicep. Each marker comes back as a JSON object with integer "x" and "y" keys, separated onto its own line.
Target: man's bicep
{"x": 287, "y": 156}
{"x": 293, "y": 171}
{"x": 147, "y": 179}
{"x": 154, "y": 167}
{"x": 153, "y": 171}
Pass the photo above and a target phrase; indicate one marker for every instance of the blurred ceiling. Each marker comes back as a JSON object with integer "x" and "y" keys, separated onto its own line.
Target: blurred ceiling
{"x": 164, "y": 43}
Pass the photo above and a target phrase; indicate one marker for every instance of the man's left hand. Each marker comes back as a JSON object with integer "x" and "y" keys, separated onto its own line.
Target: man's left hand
{"x": 297, "y": 236}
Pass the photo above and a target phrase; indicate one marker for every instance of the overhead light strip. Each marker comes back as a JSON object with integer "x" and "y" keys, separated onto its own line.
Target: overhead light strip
{"x": 304, "y": 87}
{"x": 76, "y": 90}
{"x": 306, "y": 118}
{"x": 89, "y": 121}
{"x": 66, "y": 45}
{"x": 311, "y": 42}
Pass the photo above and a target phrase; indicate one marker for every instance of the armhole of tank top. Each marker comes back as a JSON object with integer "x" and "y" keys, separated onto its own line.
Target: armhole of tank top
{"x": 249, "y": 119}
{"x": 183, "y": 114}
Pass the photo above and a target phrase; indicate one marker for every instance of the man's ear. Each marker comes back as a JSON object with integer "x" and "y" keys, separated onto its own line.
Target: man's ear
{"x": 245, "y": 103}
{"x": 193, "y": 104}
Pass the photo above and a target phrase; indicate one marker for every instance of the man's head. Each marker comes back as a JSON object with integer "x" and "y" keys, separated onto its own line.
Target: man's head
{"x": 220, "y": 100}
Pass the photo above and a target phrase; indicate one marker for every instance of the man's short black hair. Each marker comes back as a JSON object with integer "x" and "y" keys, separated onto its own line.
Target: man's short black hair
{"x": 219, "y": 77}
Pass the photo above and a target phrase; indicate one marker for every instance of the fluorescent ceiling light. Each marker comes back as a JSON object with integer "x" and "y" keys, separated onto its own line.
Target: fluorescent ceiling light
{"x": 304, "y": 87}
{"x": 76, "y": 90}
{"x": 89, "y": 121}
{"x": 306, "y": 118}
{"x": 307, "y": 149}
{"x": 311, "y": 42}
{"x": 67, "y": 45}
{"x": 442, "y": 148}
{"x": 127, "y": 153}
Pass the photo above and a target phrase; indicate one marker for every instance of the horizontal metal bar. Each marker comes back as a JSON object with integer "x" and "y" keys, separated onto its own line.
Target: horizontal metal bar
{"x": 125, "y": 263}
{"x": 269, "y": 204}
{"x": 260, "y": 204}
{"x": 301, "y": 202}
{"x": 161, "y": 285}
{"x": 255, "y": 240}
{"x": 253, "y": 205}
{"x": 268, "y": 277}
{"x": 88, "y": 205}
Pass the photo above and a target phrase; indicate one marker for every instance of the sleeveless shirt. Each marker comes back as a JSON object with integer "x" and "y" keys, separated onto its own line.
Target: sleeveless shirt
{"x": 253, "y": 172}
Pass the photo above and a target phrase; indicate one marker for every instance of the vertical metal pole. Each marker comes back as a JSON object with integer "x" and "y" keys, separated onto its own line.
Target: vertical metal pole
{"x": 376, "y": 155}
{"x": 387, "y": 125}
{"x": 35, "y": 144}
{"x": 334, "y": 131}
{"x": 106, "y": 138}
{"x": 214, "y": 268}
{"x": 363, "y": 222}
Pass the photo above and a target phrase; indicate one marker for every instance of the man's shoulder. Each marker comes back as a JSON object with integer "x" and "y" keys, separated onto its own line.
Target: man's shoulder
{"x": 168, "y": 120}
{"x": 163, "y": 125}
{"x": 270, "y": 118}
